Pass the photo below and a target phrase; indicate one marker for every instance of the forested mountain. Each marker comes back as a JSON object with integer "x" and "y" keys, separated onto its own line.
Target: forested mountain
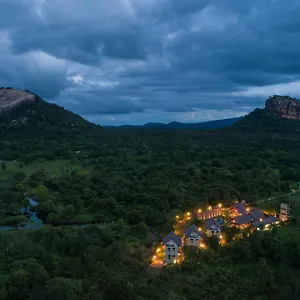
{"x": 131, "y": 183}
{"x": 178, "y": 125}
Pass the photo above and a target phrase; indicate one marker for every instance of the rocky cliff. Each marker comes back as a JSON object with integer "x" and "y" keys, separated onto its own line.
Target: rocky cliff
{"x": 11, "y": 100}
{"x": 284, "y": 107}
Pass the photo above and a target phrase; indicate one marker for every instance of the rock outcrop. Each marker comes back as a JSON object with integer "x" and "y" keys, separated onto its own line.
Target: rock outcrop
{"x": 11, "y": 100}
{"x": 284, "y": 107}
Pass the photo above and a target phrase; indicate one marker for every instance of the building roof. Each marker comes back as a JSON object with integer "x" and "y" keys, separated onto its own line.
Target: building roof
{"x": 193, "y": 228}
{"x": 240, "y": 207}
{"x": 256, "y": 215}
{"x": 172, "y": 236}
{"x": 241, "y": 220}
{"x": 210, "y": 222}
{"x": 266, "y": 221}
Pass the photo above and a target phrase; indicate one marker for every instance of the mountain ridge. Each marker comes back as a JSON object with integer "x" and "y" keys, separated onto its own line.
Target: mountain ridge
{"x": 22, "y": 105}
{"x": 179, "y": 125}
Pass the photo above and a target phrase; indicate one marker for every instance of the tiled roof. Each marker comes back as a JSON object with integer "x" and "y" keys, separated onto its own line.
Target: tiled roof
{"x": 241, "y": 220}
{"x": 172, "y": 236}
{"x": 193, "y": 228}
{"x": 266, "y": 221}
{"x": 270, "y": 220}
{"x": 240, "y": 207}
{"x": 210, "y": 222}
{"x": 256, "y": 214}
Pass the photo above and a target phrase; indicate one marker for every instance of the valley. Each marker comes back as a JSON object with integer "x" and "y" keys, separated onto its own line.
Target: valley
{"x": 130, "y": 184}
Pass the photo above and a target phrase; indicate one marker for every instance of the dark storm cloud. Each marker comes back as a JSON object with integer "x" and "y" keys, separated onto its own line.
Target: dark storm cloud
{"x": 130, "y": 57}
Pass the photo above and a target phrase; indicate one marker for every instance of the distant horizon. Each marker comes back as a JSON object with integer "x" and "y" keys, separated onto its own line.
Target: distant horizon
{"x": 162, "y": 123}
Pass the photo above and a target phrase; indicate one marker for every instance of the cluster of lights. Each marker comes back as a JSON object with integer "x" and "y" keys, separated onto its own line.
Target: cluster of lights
{"x": 202, "y": 246}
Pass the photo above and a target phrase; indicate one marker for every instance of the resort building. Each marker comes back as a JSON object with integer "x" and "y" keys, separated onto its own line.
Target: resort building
{"x": 172, "y": 243}
{"x": 193, "y": 236}
{"x": 256, "y": 215}
{"x": 241, "y": 221}
{"x": 266, "y": 223}
{"x": 213, "y": 227}
{"x": 285, "y": 211}
{"x": 239, "y": 208}
{"x": 210, "y": 213}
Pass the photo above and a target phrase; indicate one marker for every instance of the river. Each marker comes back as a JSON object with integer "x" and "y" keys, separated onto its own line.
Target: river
{"x": 34, "y": 221}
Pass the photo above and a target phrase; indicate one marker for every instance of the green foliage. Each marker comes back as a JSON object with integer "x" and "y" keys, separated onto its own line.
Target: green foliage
{"x": 3, "y": 165}
{"x": 133, "y": 182}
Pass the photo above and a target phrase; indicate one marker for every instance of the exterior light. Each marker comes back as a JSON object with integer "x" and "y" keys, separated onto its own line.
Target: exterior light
{"x": 209, "y": 207}
{"x": 199, "y": 229}
{"x": 188, "y": 213}
{"x": 177, "y": 217}
{"x": 154, "y": 257}
{"x": 158, "y": 250}
{"x": 247, "y": 208}
{"x": 199, "y": 210}
{"x": 220, "y": 205}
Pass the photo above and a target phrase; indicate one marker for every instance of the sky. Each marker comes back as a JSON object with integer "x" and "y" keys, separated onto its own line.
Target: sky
{"x": 136, "y": 61}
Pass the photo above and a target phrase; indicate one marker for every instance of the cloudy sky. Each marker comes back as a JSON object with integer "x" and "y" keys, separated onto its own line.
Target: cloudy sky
{"x": 138, "y": 61}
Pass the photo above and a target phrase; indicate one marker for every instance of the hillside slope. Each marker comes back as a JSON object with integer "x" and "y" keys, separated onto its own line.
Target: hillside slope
{"x": 30, "y": 126}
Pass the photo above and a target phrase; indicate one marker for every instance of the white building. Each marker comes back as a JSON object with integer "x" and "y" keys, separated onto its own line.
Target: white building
{"x": 285, "y": 211}
{"x": 172, "y": 243}
{"x": 212, "y": 227}
{"x": 193, "y": 236}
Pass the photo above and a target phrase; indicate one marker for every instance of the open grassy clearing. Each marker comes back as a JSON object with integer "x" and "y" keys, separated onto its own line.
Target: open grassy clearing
{"x": 53, "y": 168}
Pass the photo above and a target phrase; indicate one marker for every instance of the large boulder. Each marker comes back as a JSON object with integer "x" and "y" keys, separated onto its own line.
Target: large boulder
{"x": 11, "y": 100}
{"x": 284, "y": 106}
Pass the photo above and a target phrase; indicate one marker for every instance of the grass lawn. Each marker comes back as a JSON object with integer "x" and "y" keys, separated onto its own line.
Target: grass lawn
{"x": 53, "y": 168}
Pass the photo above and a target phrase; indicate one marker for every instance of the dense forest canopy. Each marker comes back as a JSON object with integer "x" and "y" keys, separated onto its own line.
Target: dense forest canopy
{"x": 131, "y": 183}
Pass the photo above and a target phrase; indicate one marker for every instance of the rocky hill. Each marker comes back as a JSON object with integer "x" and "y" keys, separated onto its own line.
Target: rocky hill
{"x": 284, "y": 107}
{"x": 11, "y": 100}
{"x": 23, "y": 107}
